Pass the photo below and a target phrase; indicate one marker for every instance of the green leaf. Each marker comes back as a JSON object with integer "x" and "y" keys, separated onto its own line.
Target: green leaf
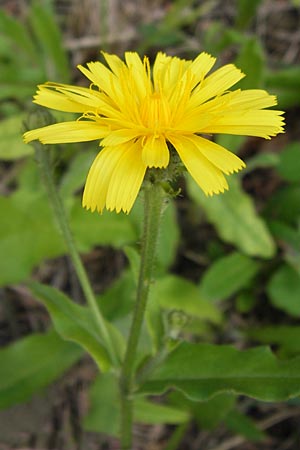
{"x": 74, "y": 177}
{"x": 100, "y": 229}
{"x": 243, "y": 425}
{"x": 201, "y": 371}
{"x": 251, "y": 61}
{"x": 104, "y": 414}
{"x": 77, "y": 323}
{"x": 234, "y": 216}
{"x": 26, "y": 219}
{"x": 245, "y": 12}
{"x": 11, "y": 143}
{"x": 289, "y": 163}
{"x": 118, "y": 300}
{"x": 13, "y": 29}
{"x": 227, "y": 276}
{"x": 32, "y": 363}
{"x": 285, "y": 204}
{"x": 285, "y": 84}
{"x": 175, "y": 293}
{"x": 284, "y": 290}
{"x": 207, "y": 413}
{"x": 49, "y": 37}
{"x": 286, "y": 337}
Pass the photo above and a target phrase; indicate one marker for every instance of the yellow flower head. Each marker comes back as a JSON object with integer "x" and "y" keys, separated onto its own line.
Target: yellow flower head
{"x": 139, "y": 115}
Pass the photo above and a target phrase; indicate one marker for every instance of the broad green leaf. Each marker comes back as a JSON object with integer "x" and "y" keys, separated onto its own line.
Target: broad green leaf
{"x": 227, "y": 276}
{"x": 175, "y": 293}
{"x": 26, "y": 219}
{"x": 31, "y": 363}
{"x": 201, "y": 371}
{"x": 104, "y": 414}
{"x": 284, "y": 290}
{"x": 11, "y": 143}
{"x": 77, "y": 323}
{"x": 100, "y": 229}
{"x": 289, "y": 163}
{"x": 245, "y": 426}
{"x": 234, "y": 216}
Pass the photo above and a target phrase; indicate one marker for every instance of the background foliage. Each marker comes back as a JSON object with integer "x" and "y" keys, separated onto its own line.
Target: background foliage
{"x": 228, "y": 267}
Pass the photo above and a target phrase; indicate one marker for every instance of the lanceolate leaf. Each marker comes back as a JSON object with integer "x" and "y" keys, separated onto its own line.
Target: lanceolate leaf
{"x": 76, "y": 323}
{"x": 201, "y": 371}
{"x": 234, "y": 216}
{"x": 32, "y": 363}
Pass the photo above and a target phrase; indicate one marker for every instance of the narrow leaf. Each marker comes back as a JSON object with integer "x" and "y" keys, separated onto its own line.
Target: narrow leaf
{"x": 76, "y": 323}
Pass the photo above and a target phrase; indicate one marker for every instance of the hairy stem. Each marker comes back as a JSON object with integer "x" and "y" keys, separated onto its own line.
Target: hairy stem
{"x": 153, "y": 203}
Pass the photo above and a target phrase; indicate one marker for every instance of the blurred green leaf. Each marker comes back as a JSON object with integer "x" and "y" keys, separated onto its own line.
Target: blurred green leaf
{"x": 17, "y": 32}
{"x": 175, "y": 293}
{"x": 241, "y": 424}
{"x": 26, "y": 219}
{"x": 201, "y": 371}
{"x": 104, "y": 414}
{"x": 118, "y": 300}
{"x": 245, "y": 12}
{"x": 285, "y": 84}
{"x": 77, "y": 323}
{"x": 31, "y": 364}
{"x": 227, "y": 276}
{"x": 284, "y": 290}
{"x": 100, "y": 229}
{"x": 287, "y": 337}
{"x": 74, "y": 178}
{"x": 210, "y": 413}
{"x": 11, "y": 143}
{"x": 289, "y": 163}
{"x": 252, "y": 62}
{"x": 49, "y": 38}
{"x": 284, "y": 205}
{"x": 234, "y": 216}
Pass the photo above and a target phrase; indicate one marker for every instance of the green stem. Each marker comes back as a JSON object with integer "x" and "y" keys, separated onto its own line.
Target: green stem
{"x": 153, "y": 203}
{"x": 43, "y": 158}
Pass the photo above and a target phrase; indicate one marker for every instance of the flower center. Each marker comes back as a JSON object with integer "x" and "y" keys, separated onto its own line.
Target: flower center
{"x": 155, "y": 113}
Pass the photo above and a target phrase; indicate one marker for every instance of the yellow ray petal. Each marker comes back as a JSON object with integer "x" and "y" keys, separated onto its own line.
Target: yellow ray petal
{"x": 50, "y": 96}
{"x": 126, "y": 180}
{"x": 67, "y": 132}
{"x": 155, "y": 152}
{"x": 99, "y": 177}
{"x": 215, "y": 84}
{"x": 223, "y": 159}
{"x": 201, "y": 66}
{"x": 261, "y": 123}
{"x": 119, "y": 137}
{"x": 207, "y": 175}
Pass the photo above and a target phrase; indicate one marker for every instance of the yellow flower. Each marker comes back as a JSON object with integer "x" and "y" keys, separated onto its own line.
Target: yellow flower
{"x": 140, "y": 115}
